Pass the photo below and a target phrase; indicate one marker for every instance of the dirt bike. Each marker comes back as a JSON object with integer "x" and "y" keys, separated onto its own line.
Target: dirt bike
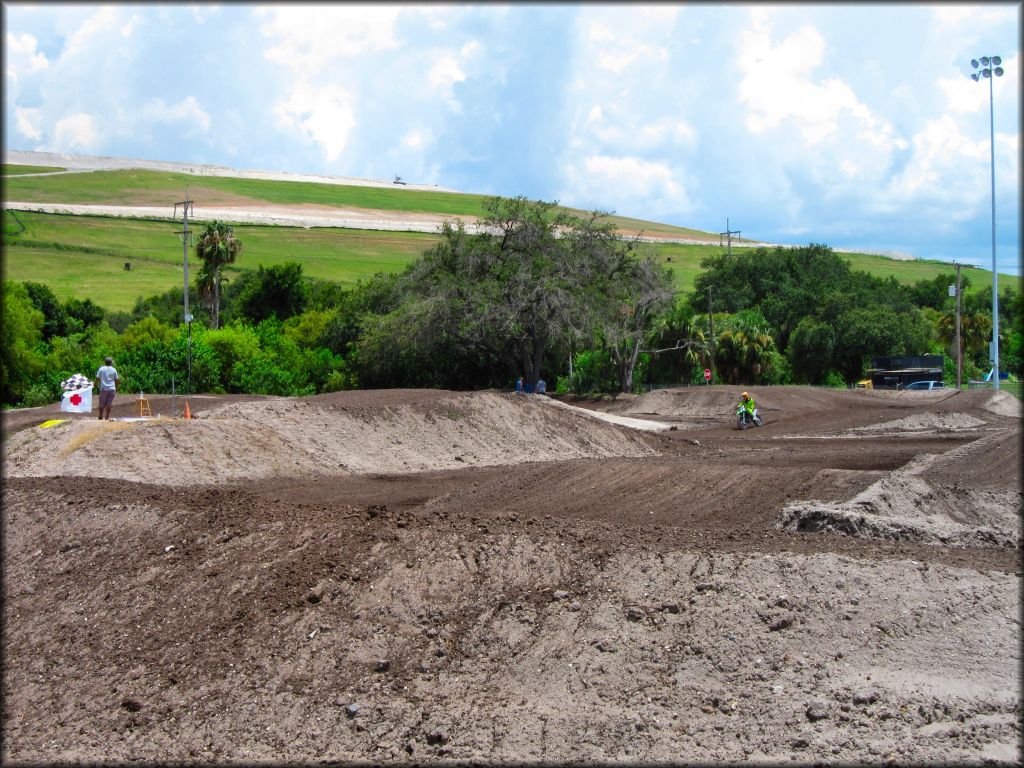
{"x": 744, "y": 419}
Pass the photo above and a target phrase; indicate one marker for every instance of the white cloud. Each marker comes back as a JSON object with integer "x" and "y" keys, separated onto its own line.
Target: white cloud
{"x": 945, "y": 164}
{"x": 450, "y": 68}
{"x": 774, "y": 81}
{"x": 667, "y": 130}
{"x": 445, "y": 72}
{"x": 839, "y": 140}
{"x": 624, "y": 132}
{"x": 308, "y": 38}
{"x": 323, "y": 114}
{"x": 618, "y": 38}
{"x": 77, "y": 131}
{"x": 598, "y": 32}
{"x": 629, "y": 183}
{"x": 128, "y": 28}
{"x": 963, "y": 94}
{"x": 27, "y": 121}
{"x": 95, "y": 26}
{"x": 203, "y": 12}
{"x": 187, "y": 111}
{"x": 954, "y": 17}
{"x": 416, "y": 138}
{"x": 22, "y": 56}
{"x": 439, "y": 16}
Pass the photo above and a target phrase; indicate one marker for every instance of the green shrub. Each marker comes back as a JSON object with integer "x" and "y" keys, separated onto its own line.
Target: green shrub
{"x": 593, "y": 372}
{"x": 42, "y": 392}
{"x": 835, "y": 380}
{"x": 234, "y": 343}
{"x": 262, "y": 376}
{"x": 340, "y": 380}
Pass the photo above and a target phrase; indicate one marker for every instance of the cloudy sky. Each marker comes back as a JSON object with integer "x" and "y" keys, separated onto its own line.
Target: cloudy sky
{"x": 855, "y": 125}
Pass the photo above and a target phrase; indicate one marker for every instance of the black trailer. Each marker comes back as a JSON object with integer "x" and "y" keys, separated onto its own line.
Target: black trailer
{"x": 897, "y": 372}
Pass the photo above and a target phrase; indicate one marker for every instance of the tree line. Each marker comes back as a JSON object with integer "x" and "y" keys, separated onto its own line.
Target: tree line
{"x": 536, "y": 293}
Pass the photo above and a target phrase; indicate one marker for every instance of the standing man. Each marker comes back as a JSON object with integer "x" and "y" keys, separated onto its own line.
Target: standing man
{"x": 106, "y": 380}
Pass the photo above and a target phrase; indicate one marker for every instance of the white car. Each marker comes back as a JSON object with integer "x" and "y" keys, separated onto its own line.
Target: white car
{"x": 919, "y": 386}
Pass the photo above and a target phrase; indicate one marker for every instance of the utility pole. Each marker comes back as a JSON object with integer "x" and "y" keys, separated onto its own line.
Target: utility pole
{"x": 711, "y": 334}
{"x": 728, "y": 235}
{"x": 186, "y": 242}
{"x": 959, "y": 350}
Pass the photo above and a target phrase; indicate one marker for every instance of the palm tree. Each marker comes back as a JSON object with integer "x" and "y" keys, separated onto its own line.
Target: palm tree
{"x": 204, "y": 286}
{"x": 216, "y": 248}
{"x": 743, "y": 355}
{"x": 975, "y": 331}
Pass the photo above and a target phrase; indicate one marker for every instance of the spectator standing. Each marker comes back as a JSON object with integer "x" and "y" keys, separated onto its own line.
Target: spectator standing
{"x": 106, "y": 380}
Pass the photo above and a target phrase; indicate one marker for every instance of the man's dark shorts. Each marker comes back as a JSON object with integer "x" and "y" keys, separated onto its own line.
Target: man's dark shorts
{"x": 107, "y": 397}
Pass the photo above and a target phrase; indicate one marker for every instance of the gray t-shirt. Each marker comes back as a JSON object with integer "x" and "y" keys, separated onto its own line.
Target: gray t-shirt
{"x": 108, "y": 377}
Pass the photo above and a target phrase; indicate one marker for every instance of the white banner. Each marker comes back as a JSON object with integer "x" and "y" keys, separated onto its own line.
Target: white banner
{"x": 77, "y": 401}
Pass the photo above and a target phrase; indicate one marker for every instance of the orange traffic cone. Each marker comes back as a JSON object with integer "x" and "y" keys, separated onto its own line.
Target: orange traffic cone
{"x": 188, "y": 413}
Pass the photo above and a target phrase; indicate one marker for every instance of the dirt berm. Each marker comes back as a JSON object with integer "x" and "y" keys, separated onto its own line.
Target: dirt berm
{"x": 421, "y": 576}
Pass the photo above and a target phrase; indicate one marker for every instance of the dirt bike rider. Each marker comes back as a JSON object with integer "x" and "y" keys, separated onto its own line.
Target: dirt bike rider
{"x": 747, "y": 404}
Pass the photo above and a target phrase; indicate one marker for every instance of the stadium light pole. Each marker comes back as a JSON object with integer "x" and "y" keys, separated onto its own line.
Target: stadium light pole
{"x": 989, "y": 69}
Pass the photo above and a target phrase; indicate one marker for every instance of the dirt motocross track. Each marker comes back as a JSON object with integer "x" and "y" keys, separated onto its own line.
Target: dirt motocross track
{"x": 441, "y": 577}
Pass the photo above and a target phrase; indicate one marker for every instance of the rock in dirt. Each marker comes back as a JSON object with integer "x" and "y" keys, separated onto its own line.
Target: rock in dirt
{"x": 865, "y": 697}
{"x": 817, "y": 710}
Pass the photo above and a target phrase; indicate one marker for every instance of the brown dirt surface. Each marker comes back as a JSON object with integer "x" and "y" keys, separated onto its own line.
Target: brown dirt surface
{"x": 423, "y": 576}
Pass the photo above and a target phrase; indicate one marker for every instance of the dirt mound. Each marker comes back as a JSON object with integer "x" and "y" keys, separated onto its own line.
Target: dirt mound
{"x": 916, "y": 502}
{"x": 1004, "y": 404}
{"x": 320, "y": 436}
{"x": 943, "y": 422}
{"x": 214, "y": 626}
{"x": 457, "y": 578}
{"x": 694, "y": 401}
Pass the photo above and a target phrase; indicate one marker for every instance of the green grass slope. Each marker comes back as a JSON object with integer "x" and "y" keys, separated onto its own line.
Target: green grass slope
{"x": 156, "y": 188}
{"x": 84, "y": 256}
{"x": 16, "y": 170}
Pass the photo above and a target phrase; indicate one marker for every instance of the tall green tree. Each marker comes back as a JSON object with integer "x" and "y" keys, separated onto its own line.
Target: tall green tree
{"x": 681, "y": 345}
{"x": 278, "y": 291}
{"x": 636, "y": 291}
{"x": 217, "y": 247}
{"x": 513, "y": 291}
{"x": 864, "y": 332}
{"x": 811, "y": 350}
{"x": 745, "y": 351}
{"x": 20, "y": 334}
{"x": 55, "y": 316}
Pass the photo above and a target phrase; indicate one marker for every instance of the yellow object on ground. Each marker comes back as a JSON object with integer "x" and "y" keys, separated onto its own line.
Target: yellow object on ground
{"x": 51, "y": 423}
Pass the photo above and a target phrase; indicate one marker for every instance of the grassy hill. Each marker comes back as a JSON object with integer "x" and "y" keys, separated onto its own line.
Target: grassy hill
{"x": 85, "y": 256}
{"x": 156, "y": 188}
